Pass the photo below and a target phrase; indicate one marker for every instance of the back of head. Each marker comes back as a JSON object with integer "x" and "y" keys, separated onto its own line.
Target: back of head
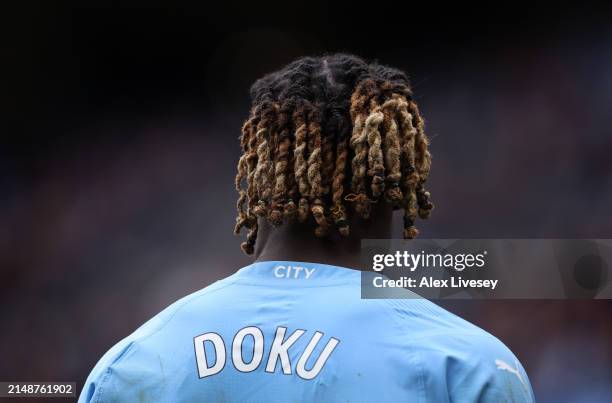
{"x": 327, "y": 137}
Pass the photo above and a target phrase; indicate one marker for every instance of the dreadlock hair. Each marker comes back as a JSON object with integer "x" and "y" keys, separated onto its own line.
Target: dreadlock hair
{"x": 327, "y": 136}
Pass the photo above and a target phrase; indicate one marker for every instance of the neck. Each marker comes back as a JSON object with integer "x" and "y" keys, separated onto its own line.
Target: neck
{"x": 297, "y": 242}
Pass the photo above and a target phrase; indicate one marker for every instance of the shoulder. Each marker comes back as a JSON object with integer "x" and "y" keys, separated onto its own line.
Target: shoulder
{"x": 457, "y": 358}
{"x": 476, "y": 366}
{"x": 133, "y": 364}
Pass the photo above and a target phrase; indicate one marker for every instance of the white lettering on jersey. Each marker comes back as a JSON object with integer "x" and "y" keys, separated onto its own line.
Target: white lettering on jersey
{"x": 279, "y": 350}
{"x": 200, "y": 351}
{"x": 293, "y": 272}
{"x": 309, "y": 272}
{"x": 258, "y": 342}
{"x": 327, "y": 350}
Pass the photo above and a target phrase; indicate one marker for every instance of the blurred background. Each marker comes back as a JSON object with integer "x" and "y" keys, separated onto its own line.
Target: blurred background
{"x": 119, "y": 146}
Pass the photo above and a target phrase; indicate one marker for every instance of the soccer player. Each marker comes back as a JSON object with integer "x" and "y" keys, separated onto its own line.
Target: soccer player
{"x": 332, "y": 146}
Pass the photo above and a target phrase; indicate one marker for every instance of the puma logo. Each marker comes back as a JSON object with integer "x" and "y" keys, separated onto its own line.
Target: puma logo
{"x": 504, "y": 366}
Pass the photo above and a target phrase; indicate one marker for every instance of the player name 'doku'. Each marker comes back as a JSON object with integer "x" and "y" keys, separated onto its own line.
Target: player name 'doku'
{"x": 279, "y": 351}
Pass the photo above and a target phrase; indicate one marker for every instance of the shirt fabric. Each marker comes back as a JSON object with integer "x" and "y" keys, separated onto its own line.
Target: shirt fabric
{"x": 300, "y": 332}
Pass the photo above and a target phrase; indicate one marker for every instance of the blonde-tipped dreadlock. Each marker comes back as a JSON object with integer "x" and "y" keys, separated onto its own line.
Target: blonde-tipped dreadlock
{"x": 328, "y": 136}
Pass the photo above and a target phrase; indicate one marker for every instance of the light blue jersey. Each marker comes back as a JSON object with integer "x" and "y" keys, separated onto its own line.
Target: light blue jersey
{"x": 299, "y": 332}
